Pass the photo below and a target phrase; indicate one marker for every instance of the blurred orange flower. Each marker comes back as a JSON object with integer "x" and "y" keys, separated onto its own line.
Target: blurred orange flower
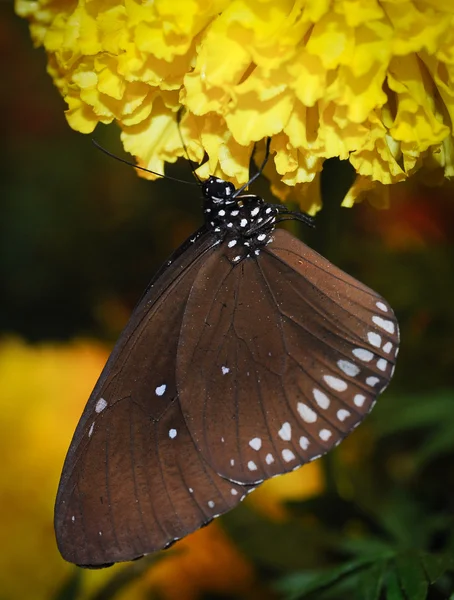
{"x": 43, "y": 391}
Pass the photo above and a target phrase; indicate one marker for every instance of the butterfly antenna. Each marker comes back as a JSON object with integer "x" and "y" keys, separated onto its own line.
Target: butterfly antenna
{"x": 259, "y": 172}
{"x": 127, "y": 162}
{"x": 295, "y": 216}
{"x": 193, "y": 168}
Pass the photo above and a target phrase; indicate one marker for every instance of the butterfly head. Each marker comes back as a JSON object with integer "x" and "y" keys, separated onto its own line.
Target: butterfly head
{"x": 218, "y": 192}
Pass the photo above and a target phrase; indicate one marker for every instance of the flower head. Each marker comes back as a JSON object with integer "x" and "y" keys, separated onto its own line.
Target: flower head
{"x": 371, "y": 82}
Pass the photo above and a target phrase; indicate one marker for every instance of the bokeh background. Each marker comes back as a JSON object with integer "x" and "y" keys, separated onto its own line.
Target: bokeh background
{"x": 80, "y": 236}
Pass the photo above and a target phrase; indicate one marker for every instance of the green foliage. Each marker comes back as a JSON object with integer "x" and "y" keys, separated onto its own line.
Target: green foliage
{"x": 429, "y": 415}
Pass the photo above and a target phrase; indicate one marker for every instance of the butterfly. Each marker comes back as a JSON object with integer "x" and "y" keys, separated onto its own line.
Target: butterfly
{"x": 248, "y": 356}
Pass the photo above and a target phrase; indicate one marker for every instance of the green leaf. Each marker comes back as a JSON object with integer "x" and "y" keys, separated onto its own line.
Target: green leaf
{"x": 403, "y": 519}
{"x": 404, "y": 413}
{"x": 299, "y": 584}
{"x": 405, "y": 576}
{"x": 71, "y": 588}
{"x": 439, "y": 443}
{"x": 393, "y": 589}
{"x": 370, "y": 547}
{"x": 434, "y": 413}
{"x": 371, "y": 581}
{"x": 412, "y": 576}
{"x": 435, "y": 565}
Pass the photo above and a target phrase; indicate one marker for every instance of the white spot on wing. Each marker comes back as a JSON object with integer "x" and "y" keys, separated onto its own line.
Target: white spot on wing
{"x": 285, "y": 432}
{"x": 325, "y": 434}
{"x": 211, "y": 503}
{"x": 374, "y": 339}
{"x": 159, "y": 391}
{"x": 384, "y": 324}
{"x": 252, "y": 466}
{"x": 287, "y": 455}
{"x": 172, "y": 433}
{"x": 363, "y": 354}
{"x": 343, "y": 414}
{"x": 387, "y": 347}
{"x": 269, "y": 459}
{"x": 255, "y": 211}
{"x": 100, "y": 405}
{"x": 304, "y": 442}
{"x": 322, "y": 399}
{"x": 231, "y": 243}
{"x": 381, "y": 306}
{"x": 348, "y": 368}
{"x": 243, "y": 223}
{"x": 335, "y": 383}
{"x": 359, "y": 400}
{"x": 372, "y": 381}
{"x": 255, "y": 443}
{"x": 234, "y": 492}
{"x": 306, "y": 413}
{"x": 225, "y": 370}
{"x": 382, "y": 363}
{"x": 90, "y": 431}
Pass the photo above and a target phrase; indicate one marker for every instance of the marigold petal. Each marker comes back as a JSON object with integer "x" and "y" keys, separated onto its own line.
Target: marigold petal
{"x": 363, "y": 188}
{"x": 80, "y": 116}
{"x": 247, "y": 123}
{"x": 416, "y": 119}
{"x": 155, "y": 139}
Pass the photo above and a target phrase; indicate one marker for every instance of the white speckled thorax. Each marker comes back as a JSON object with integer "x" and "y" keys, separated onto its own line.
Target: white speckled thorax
{"x": 245, "y": 222}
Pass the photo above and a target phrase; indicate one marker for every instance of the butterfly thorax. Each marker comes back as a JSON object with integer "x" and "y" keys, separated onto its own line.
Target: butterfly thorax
{"x": 244, "y": 222}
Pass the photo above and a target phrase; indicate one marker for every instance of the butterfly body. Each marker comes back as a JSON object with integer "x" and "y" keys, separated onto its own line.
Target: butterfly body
{"x": 248, "y": 355}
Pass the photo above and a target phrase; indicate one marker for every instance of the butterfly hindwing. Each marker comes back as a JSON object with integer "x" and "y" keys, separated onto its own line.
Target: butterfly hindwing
{"x": 299, "y": 352}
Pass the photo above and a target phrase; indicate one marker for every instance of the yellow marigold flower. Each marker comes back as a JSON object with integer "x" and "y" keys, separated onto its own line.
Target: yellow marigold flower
{"x": 43, "y": 391}
{"x": 368, "y": 81}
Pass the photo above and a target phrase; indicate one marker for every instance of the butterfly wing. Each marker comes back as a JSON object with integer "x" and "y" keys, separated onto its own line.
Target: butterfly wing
{"x": 289, "y": 355}
{"x": 133, "y": 480}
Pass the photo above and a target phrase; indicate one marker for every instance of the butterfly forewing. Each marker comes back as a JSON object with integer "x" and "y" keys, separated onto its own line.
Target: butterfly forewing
{"x": 302, "y": 350}
{"x": 133, "y": 481}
